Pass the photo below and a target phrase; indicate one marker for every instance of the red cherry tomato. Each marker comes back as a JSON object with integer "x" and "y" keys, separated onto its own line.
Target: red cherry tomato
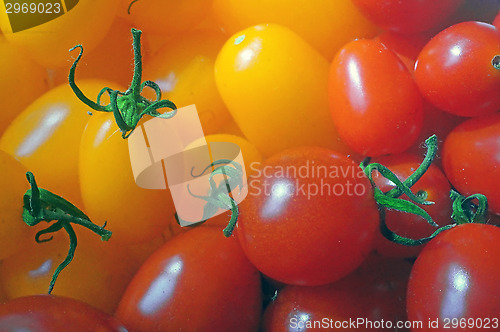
{"x": 455, "y": 279}
{"x": 455, "y": 70}
{"x": 48, "y": 313}
{"x": 198, "y": 281}
{"x": 437, "y": 187}
{"x": 374, "y": 101}
{"x": 470, "y": 158}
{"x": 408, "y": 16}
{"x": 309, "y": 217}
{"x": 374, "y": 292}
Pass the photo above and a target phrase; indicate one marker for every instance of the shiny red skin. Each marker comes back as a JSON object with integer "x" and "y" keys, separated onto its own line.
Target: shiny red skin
{"x": 470, "y": 158}
{"x": 437, "y": 187}
{"x": 198, "y": 281}
{"x": 48, "y": 313}
{"x": 456, "y": 276}
{"x": 375, "y": 291}
{"x": 455, "y": 73}
{"x": 303, "y": 240}
{"x": 407, "y": 16}
{"x": 374, "y": 102}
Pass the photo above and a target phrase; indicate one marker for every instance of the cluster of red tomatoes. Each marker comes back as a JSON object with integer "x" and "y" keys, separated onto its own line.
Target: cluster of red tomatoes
{"x": 308, "y": 90}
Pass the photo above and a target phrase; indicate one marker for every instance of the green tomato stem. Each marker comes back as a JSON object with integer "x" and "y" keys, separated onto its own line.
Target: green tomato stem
{"x": 465, "y": 211}
{"x": 42, "y": 205}
{"x": 127, "y": 107}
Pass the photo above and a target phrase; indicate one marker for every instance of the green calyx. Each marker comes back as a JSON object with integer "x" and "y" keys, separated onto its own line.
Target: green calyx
{"x": 496, "y": 62}
{"x": 464, "y": 210}
{"x": 130, "y": 106}
{"x": 219, "y": 195}
{"x": 42, "y": 205}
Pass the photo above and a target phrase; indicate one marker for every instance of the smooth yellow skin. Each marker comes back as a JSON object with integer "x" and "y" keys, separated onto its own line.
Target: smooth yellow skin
{"x": 21, "y": 81}
{"x": 13, "y": 184}
{"x": 325, "y": 24}
{"x": 108, "y": 186}
{"x": 275, "y": 87}
{"x": 45, "y": 137}
{"x": 184, "y": 70}
{"x": 98, "y": 274}
{"x": 48, "y": 43}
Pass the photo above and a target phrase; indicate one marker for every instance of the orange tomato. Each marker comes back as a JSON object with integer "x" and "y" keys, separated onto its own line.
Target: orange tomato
{"x": 275, "y": 87}
{"x": 45, "y": 137}
{"x": 325, "y": 24}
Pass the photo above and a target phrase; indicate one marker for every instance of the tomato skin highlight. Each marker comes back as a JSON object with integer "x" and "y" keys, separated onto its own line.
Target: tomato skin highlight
{"x": 375, "y": 292}
{"x": 470, "y": 158}
{"x": 261, "y": 75}
{"x": 454, "y": 71}
{"x": 46, "y": 136}
{"x": 374, "y": 102}
{"x": 46, "y": 313}
{"x": 456, "y": 276}
{"x": 293, "y": 243}
{"x": 198, "y": 281}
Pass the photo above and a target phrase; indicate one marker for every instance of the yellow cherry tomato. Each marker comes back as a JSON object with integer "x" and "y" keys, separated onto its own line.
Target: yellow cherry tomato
{"x": 184, "y": 70}
{"x": 13, "y": 182}
{"x": 45, "y": 137}
{"x": 326, "y": 24}
{"x": 48, "y": 43}
{"x": 166, "y": 16}
{"x": 109, "y": 190}
{"x": 97, "y": 275}
{"x": 275, "y": 87}
{"x": 22, "y": 81}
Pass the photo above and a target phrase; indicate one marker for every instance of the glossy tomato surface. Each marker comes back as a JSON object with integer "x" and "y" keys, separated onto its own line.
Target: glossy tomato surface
{"x": 198, "y": 281}
{"x": 455, "y": 70}
{"x": 374, "y": 102}
{"x": 373, "y": 293}
{"x": 277, "y": 103}
{"x": 45, "y": 313}
{"x": 309, "y": 217}
{"x": 455, "y": 280}
{"x": 98, "y": 274}
{"x": 470, "y": 158}
{"x": 108, "y": 186}
{"x": 46, "y": 136}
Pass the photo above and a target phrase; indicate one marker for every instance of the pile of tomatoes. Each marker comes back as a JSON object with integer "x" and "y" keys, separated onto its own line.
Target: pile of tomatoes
{"x": 308, "y": 90}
